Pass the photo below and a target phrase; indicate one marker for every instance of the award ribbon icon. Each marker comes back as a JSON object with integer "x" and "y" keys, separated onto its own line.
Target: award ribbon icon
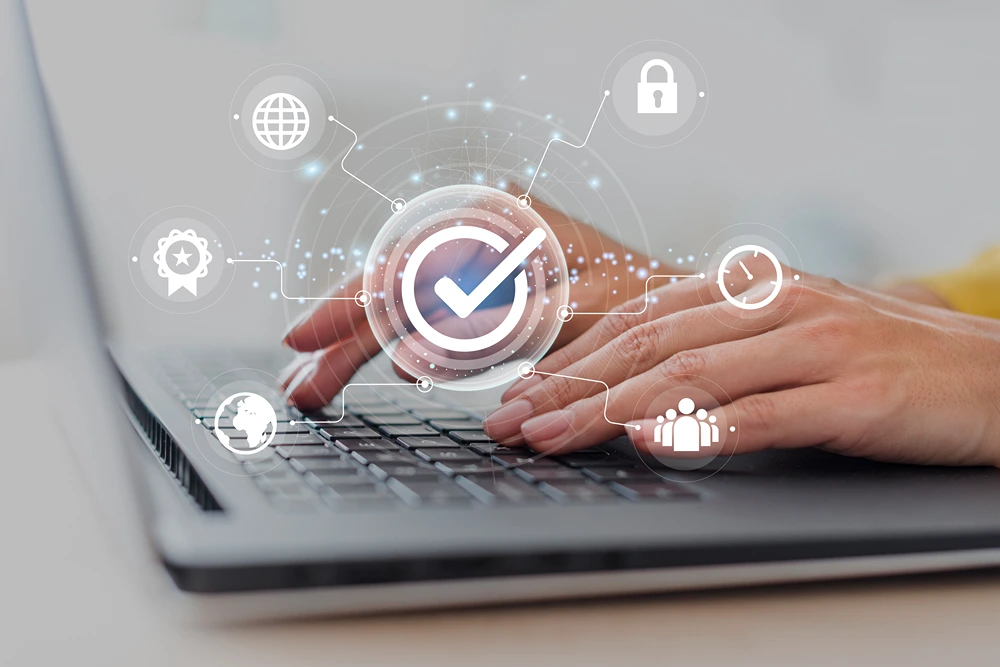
{"x": 188, "y": 281}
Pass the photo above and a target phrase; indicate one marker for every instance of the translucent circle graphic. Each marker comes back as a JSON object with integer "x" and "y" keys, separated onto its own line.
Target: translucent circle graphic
{"x": 659, "y": 93}
{"x": 177, "y": 259}
{"x": 466, "y": 285}
{"x": 242, "y": 417}
{"x": 280, "y": 115}
{"x": 682, "y": 426}
{"x": 753, "y": 267}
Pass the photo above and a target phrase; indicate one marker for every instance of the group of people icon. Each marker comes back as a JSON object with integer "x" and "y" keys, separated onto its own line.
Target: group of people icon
{"x": 683, "y": 432}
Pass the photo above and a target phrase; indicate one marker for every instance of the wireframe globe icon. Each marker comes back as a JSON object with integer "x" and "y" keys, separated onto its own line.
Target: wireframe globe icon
{"x": 280, "y": 121}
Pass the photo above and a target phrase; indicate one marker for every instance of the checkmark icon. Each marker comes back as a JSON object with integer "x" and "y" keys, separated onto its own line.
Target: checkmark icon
{"x": 464, "y": 304}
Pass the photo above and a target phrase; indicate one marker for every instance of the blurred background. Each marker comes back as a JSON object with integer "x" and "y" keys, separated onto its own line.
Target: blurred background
{"x": 865, "y": 131}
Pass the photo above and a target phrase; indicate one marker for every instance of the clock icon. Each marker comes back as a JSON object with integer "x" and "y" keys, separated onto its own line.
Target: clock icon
{"x": 728, "y": 265}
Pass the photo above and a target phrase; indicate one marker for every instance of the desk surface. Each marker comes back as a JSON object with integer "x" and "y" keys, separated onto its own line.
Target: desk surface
{"x": 67, "y": 595}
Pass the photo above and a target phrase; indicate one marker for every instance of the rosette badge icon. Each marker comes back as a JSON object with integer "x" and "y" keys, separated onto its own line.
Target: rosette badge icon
{"x": 182, "y": 258}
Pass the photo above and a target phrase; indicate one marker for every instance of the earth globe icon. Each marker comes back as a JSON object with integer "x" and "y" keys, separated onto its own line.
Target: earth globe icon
{"x": 255, "y": 418}
{"x": 280, "y": 121}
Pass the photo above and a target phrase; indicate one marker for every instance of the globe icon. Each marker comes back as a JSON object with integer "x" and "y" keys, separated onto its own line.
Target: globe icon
{"x": 280, "y": 121}
{"x": 255, "y": 418}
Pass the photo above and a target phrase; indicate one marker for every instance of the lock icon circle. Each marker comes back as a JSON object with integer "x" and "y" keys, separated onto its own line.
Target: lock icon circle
{"x": 657, "y": 97}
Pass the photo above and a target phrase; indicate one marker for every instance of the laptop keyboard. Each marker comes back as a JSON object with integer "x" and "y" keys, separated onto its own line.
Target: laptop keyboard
{"x": 395, "y": 451}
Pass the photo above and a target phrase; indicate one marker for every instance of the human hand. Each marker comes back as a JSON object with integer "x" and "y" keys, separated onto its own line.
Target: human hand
{"x": 853, "y": 371}
{"x": 336, "y": 338}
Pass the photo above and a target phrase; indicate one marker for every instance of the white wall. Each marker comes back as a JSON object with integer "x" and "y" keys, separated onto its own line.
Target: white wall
{"x": 865, "y": 130}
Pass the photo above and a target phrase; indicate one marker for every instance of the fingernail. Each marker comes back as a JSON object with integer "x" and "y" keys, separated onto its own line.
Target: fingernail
{"x": 506, "y": 422}
{"x": 302, "y": 317}
{"x": 302, "y": 376}
{"x": 520, "y": 387}
{"x": 546, "y": 427}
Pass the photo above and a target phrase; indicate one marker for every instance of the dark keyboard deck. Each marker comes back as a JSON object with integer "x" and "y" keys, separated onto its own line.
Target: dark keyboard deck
{"x": 395, "y": 451}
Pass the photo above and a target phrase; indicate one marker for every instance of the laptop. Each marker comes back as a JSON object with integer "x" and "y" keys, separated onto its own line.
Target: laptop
{"x": 407, "y": 504}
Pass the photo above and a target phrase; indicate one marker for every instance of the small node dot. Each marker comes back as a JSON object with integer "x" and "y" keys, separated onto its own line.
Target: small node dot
{"x": 329, "y": 118}
{"x": 637, "y": 427}
{"x": 135, "y": 259}
{"x": 701, "y": 94}
{"x": 236, "y": 116}
{"x": 291, "y": 422}
{"x": 564, "y": 313}
{"x": 525, "y": 370}
{"x": 229, "y": 260}
{"x": 424, "y": 384}
{"x": 732, "y": 429}
{"x": 363, "y": 298}
{"x": 796, "y": 276}
{"x": 398, "y": 205}
{"x": 607, "y": 92}
{"x": 197, "y": 421}
{"x": 701, "y": 275}
{"x": 524, "y": 201}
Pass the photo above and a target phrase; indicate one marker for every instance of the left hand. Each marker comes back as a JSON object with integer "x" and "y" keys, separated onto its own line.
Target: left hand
{"x": 854, "y": 371}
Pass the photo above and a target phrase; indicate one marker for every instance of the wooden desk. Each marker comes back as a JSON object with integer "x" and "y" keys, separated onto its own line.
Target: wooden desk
{"x": 69, "y": 598}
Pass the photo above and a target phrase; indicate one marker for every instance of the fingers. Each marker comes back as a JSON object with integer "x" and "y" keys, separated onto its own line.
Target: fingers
{"x": 322, "y": 378}
{"x": 737, "y": 369}
{"x": 676, "y": 297}
{"x": 635, "y": 351}
{"x": 330, "y": 321}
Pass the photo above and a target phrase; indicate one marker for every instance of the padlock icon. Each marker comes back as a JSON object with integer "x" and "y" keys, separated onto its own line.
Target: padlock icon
{"x": 657, "y": 97}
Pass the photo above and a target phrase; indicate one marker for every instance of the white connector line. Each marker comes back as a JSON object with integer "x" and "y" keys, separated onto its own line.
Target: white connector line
{"x": 563, "y": 141}
{"x": 423, "y": 384}
{"x": 565, "y": 313}
{"x": 362, "y": 298}
{"x": 397, "y": 205}
{"x": 607, "y": 395}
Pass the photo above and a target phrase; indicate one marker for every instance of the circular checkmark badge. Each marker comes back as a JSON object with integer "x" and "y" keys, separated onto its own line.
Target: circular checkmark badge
{"x": 466, "y": 286}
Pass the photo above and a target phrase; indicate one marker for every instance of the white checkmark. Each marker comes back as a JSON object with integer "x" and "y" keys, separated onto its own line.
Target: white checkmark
{"x": 464, "y": 304}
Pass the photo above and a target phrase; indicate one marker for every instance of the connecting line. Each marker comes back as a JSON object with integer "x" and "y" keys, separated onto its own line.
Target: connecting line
{"x": 607, "y": 395}
{"x": 423, "y": 385}
{"x": 569, "y": 312}
{"x": 563, "y": 141}
{"x": 394, "y": 203}
{"x": 361, "y": 298}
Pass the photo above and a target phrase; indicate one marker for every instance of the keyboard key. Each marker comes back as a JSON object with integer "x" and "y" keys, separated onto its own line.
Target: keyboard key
{"x": 335, "y": 433}
{"x": 402, "y": 419}
{"x": 384, "y": 409}
{"x": 283, "y": 429}
{"x": 651, "y": 490}
{"x": 456, "y": 468}
{"x": 323, "y": 465}
{"x": 347, "y": 422}
{"x": 487, "y": 448}
{"x": 382, "y": 456}
{"x": 611, "y": 474}
{"x": 433, "y": 413}
{"x": 589, "y": 459}
{"x": 578, "y": 491}
{"x": 467, "y": 437}
{"x": 458, "y": 455}
{"x": 341, "y": 480}
{"x": 535, "y": 473}
{"x": 525, "y": 458}
{"x": 305, "y": 451}
{"x": 405, "y": 471}
{"x": 501, "y": 488}
{"x": 437, "y": 443}
{"x": 429, "y": 493}
{"x": 398, "y": 431}
{"x": 366, "y": 445}
{"x": 296, "y": 439}
{"x": 457, "y": 425}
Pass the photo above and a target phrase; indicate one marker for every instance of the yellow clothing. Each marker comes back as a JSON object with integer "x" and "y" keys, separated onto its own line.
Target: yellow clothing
{"x": 975, "y": 289}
